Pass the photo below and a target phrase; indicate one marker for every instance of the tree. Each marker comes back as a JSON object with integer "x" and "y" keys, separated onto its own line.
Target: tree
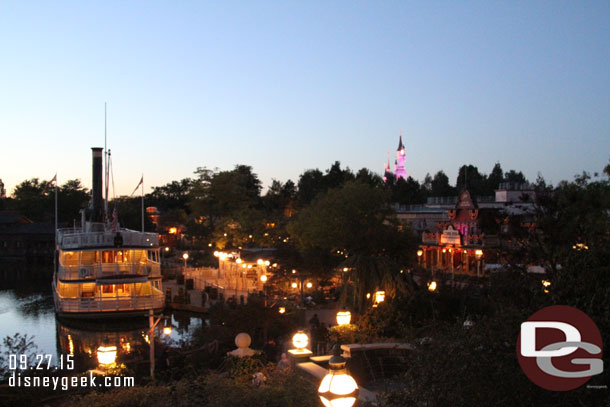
{"x": 440, "y": 185}
{"x": 515, "y": 177}
{"x": 310, "y": 184}
{"x": 173, "y": 195}
{"x": 355, "y": 221}
{"x": 470, "y": 178}
{"x": 72, "y": 197}
{"x": 407, "y": 192}
{"x": 494, "y": 179}
{"x": 368, "y": 177}
{"x": 336, "y": 177}
{"x": 227, "y": 202}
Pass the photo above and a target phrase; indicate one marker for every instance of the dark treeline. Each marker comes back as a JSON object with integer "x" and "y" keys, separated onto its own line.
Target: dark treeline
{"x": 215, "y": 194}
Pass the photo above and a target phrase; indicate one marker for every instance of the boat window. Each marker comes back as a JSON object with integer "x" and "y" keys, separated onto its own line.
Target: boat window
{"x": 108, "y": 256}
{"x": 108, "y": 289}
{"x": 89, "y": 257}
{"x": 69, "y": 258}
{"x": 68, "y": 290}
{"x": 153, "y": 255}
{"x": 138, "y": 256}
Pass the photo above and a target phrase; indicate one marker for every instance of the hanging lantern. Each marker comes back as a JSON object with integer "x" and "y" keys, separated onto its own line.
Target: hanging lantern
{"x": 338, "y": 388}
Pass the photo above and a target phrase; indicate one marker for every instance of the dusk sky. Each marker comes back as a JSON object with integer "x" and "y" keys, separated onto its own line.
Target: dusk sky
{"x": 288, "y": 86}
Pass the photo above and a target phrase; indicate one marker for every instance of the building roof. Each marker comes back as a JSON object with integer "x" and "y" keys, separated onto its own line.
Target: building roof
{"x": 12, "y": 217}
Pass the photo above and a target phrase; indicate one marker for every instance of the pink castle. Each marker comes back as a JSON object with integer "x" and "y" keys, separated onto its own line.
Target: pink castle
{"x": 399, "y": 163}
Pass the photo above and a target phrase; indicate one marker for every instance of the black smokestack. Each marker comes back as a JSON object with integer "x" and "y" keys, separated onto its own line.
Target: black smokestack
{"x": 96, "y": 190}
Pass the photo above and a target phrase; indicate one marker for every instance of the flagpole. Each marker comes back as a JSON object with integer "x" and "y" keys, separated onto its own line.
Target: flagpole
{"x": 142, "y": 203}
{"x": 55, "y": 248}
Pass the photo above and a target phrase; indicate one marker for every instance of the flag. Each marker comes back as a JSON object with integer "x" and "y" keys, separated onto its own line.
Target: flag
{"x": 138, "y": 186}
{"x": 54, "y": 179}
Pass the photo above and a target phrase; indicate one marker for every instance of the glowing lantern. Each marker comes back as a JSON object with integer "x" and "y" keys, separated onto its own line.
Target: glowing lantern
{"x": 309, "y": 284}
{"x": 294, "y": 285}
{"x": 338, "y": 388}
{"x": 259, "y": 261}
{"x": 238, "y": 260}
{"x": 167, "y": 330}
{"x": 106, "y": 355}
{"x": 379, "y": 296}
{"x": 281, "y": 310}
{"x": 173, "y": 231}
{"x": 478, "y": 253}
{"x": 300, "y": 340}
{"x": 344, "y": 317}
{"x": 420, "y": 253}
{"x": 263, "y": 278}
{"x": 267, "y": 262}
{"x": 432, "y": 286}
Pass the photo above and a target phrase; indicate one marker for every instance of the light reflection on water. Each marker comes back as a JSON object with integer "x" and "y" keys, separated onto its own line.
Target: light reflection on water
{"x": 30, "y": 311}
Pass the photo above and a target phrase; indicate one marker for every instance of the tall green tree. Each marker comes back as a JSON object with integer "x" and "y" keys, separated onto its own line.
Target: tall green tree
{"x": 440, "y": 185}
{"x": 354, "y": 227}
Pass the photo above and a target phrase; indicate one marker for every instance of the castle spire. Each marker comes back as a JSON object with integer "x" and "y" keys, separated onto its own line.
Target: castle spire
{"x": 399, "y": 170}
{"x": 400, "y": 145}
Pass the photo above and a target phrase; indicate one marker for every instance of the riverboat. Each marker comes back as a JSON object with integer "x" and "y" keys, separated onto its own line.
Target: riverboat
{"x": 103, "y": 270}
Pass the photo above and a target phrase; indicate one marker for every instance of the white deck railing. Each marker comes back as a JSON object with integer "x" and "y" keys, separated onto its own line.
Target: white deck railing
{"x": 109, "y": 304}
{"x": 76, "y": 238}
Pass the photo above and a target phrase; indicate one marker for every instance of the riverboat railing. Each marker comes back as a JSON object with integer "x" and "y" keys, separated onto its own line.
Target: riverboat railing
{"x": 109, "y": 304}
{"x": 75, "y": 239}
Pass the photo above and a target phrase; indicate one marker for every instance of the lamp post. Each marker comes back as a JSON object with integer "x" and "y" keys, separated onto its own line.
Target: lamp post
{"x": 300, "y": 340}
{"x": 338, "y": 388}
{"x": 344, "y": 317}
{"x": 152, "y": 323}
{"x": 479, "y": 254}
{"x": 185, "y": 256}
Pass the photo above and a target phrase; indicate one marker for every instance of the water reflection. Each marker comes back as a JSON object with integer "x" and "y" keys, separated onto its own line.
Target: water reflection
{"x": 29, "y": 311}
{"x": 95, "y": 346}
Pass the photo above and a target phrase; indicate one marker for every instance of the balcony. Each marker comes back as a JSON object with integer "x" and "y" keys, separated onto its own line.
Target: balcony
{"x": 109, "y": 304}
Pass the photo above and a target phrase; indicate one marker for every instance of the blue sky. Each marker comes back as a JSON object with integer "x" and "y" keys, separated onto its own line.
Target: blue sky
{"x": 287, "y": 86}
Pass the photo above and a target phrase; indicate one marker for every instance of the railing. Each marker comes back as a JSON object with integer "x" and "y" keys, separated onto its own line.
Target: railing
{"x": 109, "y": 304}
{"x": 108, "y": 269}
{"x": 74, "y": 239}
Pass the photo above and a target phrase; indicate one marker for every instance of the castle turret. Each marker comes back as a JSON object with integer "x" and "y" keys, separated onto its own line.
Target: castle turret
{"x": 399, "y": 164}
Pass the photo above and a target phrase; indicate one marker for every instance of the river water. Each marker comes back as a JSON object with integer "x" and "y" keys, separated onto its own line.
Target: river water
{"x": 28, "y": 310}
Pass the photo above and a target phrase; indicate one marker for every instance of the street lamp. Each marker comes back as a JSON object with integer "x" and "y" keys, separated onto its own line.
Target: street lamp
{"x": 338, "y": 388}
{"x": 478, "y": 254}
{"x": 300, "y": 340}
{"x": 344, "y": 317}
{"x": 106, "y": 355}
{"x": 185, "y": 256}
